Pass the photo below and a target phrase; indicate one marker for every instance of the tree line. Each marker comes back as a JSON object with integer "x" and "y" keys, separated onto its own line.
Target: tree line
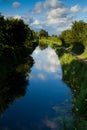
{"x": 17, "y": 42}
{"x": 76, "y": 37}
{"x": 14, "y": 33}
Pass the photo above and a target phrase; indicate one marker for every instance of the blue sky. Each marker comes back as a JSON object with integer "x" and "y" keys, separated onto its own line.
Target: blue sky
{"x": 52, "y": 15}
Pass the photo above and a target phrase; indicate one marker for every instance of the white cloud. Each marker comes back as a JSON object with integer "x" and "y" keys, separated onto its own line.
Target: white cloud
{"x": 48, "y": 4}
{"x": 36, "y": 22}
{"x": 17, "y": 17}
{"x": 54, "y": 15}
{"x": 60, "y": 22}
{"x": 57, "y": 13}
{"x": 28, "y": 19}
{"x": 85, "y": 9}
{"x": 53, "y": 4}
{"x": 16, "y": 4}
{"x": 59, "y": 17}
{"x": 75, "y": 8}
{"x": 38, "y": 8}
{"x": 13, "y": 16}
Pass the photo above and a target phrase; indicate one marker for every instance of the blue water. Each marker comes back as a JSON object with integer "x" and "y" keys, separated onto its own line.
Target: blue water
{"x": 47, "y": 103}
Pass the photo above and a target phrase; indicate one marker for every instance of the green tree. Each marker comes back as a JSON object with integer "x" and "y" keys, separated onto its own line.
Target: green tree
{"x": 66, "y": 37}
{"x": 16, "y": 32}
{"x": 2, "y": 29}
{"x": 75, "y": 38}
{"x": 84, "y": 36}
{"x": 43, "y": 33}
{"x": 77, "y": 30}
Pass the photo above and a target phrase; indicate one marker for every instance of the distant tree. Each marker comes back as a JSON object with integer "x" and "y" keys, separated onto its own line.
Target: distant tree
{"x": 66, "y": 37}
{"x": 43, "y": 33}
{"x": 53, "y": 35}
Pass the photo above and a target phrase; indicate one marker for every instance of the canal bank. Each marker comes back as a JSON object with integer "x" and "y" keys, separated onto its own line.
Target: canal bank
{"x": 75, "y": 75}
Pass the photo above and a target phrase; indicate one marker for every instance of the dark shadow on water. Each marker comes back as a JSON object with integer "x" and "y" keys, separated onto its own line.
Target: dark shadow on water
{"x": 13, "y": 82}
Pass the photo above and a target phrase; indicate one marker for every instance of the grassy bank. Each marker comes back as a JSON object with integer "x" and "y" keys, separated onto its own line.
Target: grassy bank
{"x": 75, "y": 74}
{"x": 51, "y": 41}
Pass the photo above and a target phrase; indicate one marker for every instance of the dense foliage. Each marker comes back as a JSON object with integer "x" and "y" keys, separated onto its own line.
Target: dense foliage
{"x": 17, "y": 42}
{"x": 76, "y": 37}
{"x": 15, "y": 34}
{"x": 42, "y": 33}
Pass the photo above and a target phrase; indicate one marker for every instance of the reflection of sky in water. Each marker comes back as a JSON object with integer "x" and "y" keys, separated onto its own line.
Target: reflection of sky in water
{"x": 47, "y": 101}
{"x": 47, "y": 65}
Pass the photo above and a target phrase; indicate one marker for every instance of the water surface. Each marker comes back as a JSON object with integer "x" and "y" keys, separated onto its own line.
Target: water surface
{"x": 47, "y": 103}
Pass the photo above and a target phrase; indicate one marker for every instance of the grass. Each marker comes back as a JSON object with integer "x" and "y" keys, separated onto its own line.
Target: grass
{"x": 51, "y": 41}
{"x": 84, "y": 54}
{"x": 75, "y": 74}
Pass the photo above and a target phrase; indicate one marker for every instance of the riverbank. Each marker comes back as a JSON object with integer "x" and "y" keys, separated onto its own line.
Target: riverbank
{"x": 75, "y": 74}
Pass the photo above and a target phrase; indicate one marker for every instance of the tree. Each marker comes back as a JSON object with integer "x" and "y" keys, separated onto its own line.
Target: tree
{"x": 43, "y": 33}
{"x": 66, "y": 37}
{"x": 76, "y": 37}
{"x": 16, "y": 32}
{"x": 77, "y": 30}
{"x": 84, "y": 36}
{"x": 2, "y": 29}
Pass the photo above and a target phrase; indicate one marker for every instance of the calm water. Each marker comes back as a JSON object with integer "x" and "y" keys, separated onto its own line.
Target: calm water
{"x": 47, "y": 103}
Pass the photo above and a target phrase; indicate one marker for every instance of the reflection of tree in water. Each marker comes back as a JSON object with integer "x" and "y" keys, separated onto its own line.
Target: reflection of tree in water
{"x": 13, "y": 83}
{"x": 43, "y": 46}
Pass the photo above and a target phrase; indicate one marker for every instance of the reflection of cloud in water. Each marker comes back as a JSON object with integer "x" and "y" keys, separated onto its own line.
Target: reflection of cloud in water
{"x": 38, "y": 64}
{"x": 58, "y": 76}
{"x": 50, "y": 123}
{"x": 38, "y": 76}
{"x": 41, "y": 76}
{"x": 46, "y": 65}
{"x": 36, "y": 51}
{"x": 46, "y": 60}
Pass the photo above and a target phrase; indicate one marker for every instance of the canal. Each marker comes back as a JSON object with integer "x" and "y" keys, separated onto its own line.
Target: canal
{"x": 47, "y": 104}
